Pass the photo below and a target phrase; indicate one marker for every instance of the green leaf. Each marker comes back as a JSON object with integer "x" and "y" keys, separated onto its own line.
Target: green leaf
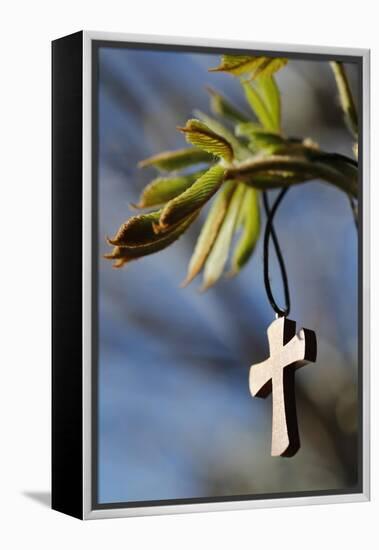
{"x": 271, "y": 96}
{"x": 136, "y": 230}
{"x": 256, "y": 65}
{"x": 222, "y": 107}
{"x": 123, "y": 255}
{"x": 268, "y": 142}
{"x": 193, "y": 198}
{"x": 269, "y": 66}
{"x": 199, "y": 134}
{"x": 175, "y": 160}
{"x": 161, "y": 190}
{"x": 250, "y": 230}
{"x": 238, "y": 149}
{"x": 259, "y": 107}
{"x": 246, "y": 129}
{"x": 219, "y": 254}
{"x": 346, "y": 97}
{"x": 209, "y": 230}
{"x": 238, "y": 64}
{"x": 261, "y": 140}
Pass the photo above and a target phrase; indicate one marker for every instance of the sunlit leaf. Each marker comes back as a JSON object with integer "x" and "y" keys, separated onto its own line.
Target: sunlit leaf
{"x": 193, "y": 198}
{"x": 136, "y": 230}
{"x": 247, "y": 128}
{"x": 175, "y": 160}
{"x": 218, "y": 256}
{"x": 123, "y": 255}
{"x": 261, "y": 140}
{"x": 238, "y": 150}
{"x": 238, "y": 64}
{"x": 269, "y": 66}
{"x": 268, "y": 142}
{"x": 209, "y": 230}
{"x": 271, "y": 96}
{"x": 222, "y": 107}
{"x": 255, "y": 65}
{"x": 259, "y": 107}
{"x": 161, "y": 190}
{"x": 250, "y": 230}
{"x": 199, "y": 134}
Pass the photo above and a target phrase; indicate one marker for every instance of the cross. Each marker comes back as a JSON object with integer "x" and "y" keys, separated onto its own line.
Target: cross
{"x": 288, "y": 352}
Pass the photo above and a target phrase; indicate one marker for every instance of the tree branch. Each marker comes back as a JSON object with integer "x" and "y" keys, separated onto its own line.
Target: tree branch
{"x": 302, "y": 169}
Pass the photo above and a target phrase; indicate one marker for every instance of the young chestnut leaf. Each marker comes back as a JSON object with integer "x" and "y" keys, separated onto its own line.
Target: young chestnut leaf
{"x": 259, "y": 107}
{"x": 175, "y": 160}
{"x": 161, "y": 190}
{"x": 192, "y": 199}
{"x": 270, "y": 66}
{"x": 256, "y": 65}
{"x": 245, "y": 129}
{"x": 270, "y": 94}
{"x": 124, "y": 254}
{"x": 136, "y": 230}
{"x": 209, "y": 230}
{"x": 218, "y": 256}
{"x": 261, "y": 140}
{"x": 237, "y": 64}
{"x": 239, "y": 151}
{"x": 222, "y": 107}
{"x": 199, "y": 134}
{"x": 268, "y": 142}
{"x": 246, "y": 244}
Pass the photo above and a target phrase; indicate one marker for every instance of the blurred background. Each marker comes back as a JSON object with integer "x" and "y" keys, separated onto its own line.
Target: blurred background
{"x": 176, "y": 419}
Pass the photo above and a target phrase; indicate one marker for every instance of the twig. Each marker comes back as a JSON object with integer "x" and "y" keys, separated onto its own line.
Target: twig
{"x": 311, "y": 170}
{"x": 346, "y": 97}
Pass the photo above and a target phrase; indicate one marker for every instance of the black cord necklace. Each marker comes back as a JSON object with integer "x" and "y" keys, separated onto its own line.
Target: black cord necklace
{"x": 288, "y": 349}
{"x": 270, "y": 232}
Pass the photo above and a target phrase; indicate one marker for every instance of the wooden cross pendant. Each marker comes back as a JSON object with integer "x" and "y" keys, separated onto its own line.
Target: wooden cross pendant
{"x": 288, "y": 352}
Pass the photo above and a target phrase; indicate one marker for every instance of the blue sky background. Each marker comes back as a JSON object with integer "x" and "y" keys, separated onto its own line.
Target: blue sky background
{"x": 175, "y": 416}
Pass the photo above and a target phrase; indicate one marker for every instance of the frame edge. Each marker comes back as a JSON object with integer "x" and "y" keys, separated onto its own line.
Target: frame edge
{"x": 364, "y": 496}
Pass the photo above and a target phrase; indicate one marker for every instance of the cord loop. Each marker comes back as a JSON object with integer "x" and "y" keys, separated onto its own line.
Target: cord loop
{"x": 270, "y": 232}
